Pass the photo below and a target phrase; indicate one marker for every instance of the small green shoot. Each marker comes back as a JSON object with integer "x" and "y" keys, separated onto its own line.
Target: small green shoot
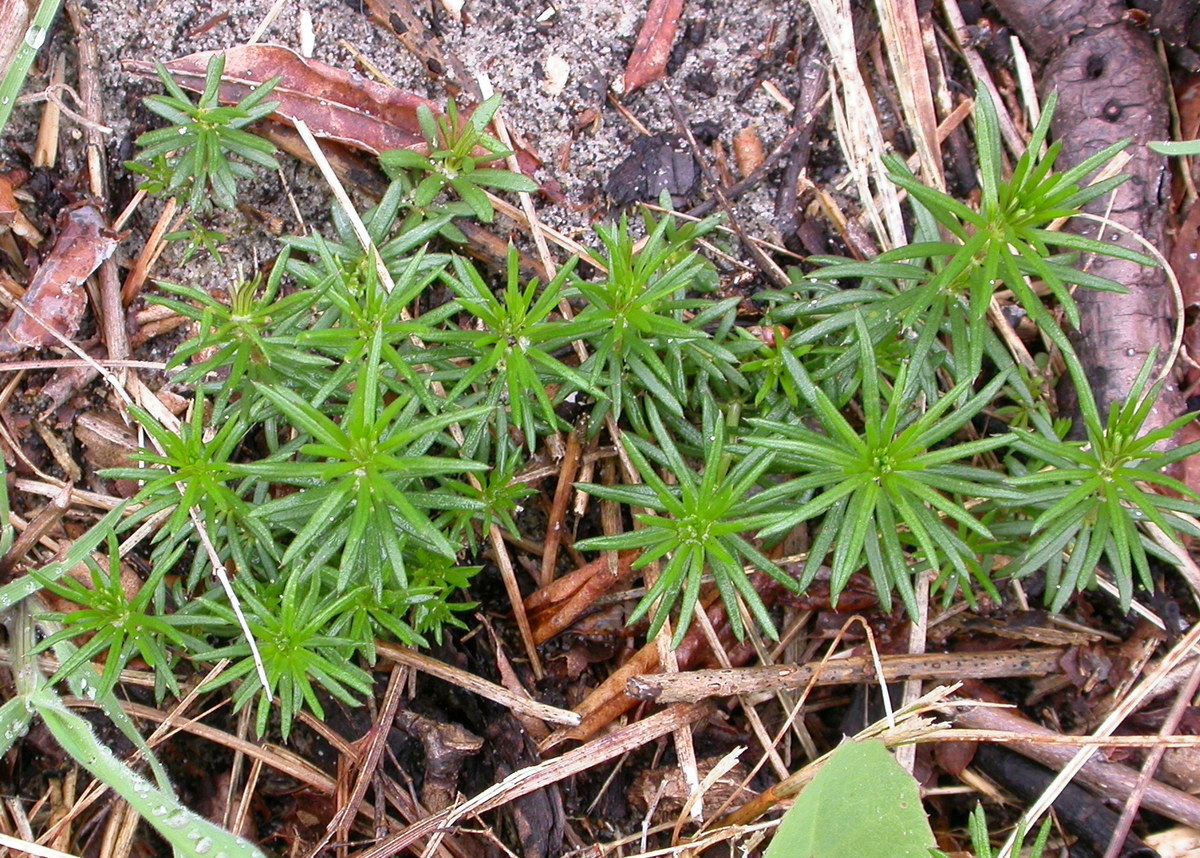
{"x": 293, "y": 618}
{"x": 886, "y": 484}
{"x": 695, "y": 525}
{"x": 115, "y": 624}
{"x": 1092, "y": 497}
{"x": 457, "y": 148}
{"x": 203, "y": 136}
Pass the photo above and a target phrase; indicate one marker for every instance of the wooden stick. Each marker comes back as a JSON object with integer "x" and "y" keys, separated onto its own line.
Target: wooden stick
{"x": 695, "y": 685}
{"x": 471, "y": 682}
{"x": 1112, "y": 779}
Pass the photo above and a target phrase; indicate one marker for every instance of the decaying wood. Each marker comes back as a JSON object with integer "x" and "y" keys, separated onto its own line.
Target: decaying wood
{"x": 1111, "y": 86}
{"x": 14, "y": 21}
{"x": 1113, "y": 779}
{"x": 447, "y": 746}
{"x": 696, "y": 685}
{"x": 56, "y": 294}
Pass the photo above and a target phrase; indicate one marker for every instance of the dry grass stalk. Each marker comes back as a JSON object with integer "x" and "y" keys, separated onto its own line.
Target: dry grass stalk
{"x": 905, "y": 49}
{"x": 470, "y": 682}
{"x": 858, "y": 131}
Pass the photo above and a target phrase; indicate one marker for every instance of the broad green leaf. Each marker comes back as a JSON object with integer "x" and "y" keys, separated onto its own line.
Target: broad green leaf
{"x": 860, "y": 805}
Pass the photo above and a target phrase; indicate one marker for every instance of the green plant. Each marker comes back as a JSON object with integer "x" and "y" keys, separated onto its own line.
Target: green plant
{"x": 250, "y": 339}
{"x": 291, "y": 622}
{"x": 455, "y": 157}
{"x": 948, "y": 282}
{"x": 115, "y": 624}
{"x": 885, "y": 484}
{"x": 193, "y": 471}
{"x": 202, "y": 137}
{"x": 494, "y": 501}
{"x": 1178, "y": 147}
{"x": 22, "y": 58}
{"x": 189, "y": 834}
{"x": 862, "y": 804}
{"x": 636, "y": 318}
{"x": 356, "y": 478}
{"x": 1091, "y": 496}
{"x": 695, "y": 525}
{"x": 424, "y": 608}
{"x": 981, "y": 839}
{"x": 508, "y": 346}
{"x": 197, "y": 237}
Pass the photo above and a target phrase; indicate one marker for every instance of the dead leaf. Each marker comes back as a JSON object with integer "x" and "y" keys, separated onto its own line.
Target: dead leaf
{"x": 748, "y": 150}
{"x": 335, "y": 104}
{"x": 1185, "y": 257}
{"x": 1187, "y": 96}
{"x": 648, "y": 62}
{"x": 56, "y": 294}
{"x": 8, "y": 203}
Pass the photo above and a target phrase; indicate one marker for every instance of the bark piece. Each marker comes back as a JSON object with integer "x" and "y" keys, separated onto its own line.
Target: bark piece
{"x": 447, "y": 746}
{"x": 1111, "y": 86}
{"x": 1174, "y": 21}
{"x": 56, "y": 294}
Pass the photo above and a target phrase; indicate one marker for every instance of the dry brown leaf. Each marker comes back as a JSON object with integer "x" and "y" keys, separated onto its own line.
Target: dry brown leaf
{"x": 1187, "y": 96}
{"x": 748, "y": 150}
{"x": 648, "y": 62}
{"x": 56, "y": 293}
{"x": 8, "y": 203}
{"x": 335, "y": 104}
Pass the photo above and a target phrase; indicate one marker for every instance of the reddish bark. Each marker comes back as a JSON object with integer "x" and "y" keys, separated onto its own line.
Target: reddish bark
{"x": 1111, "y": 86}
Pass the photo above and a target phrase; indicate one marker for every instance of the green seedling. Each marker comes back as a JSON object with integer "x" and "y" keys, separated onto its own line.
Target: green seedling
{"x": 693, "y": 527}
{"x": 457, "y": 149}
{"x": 1092, "y": 496}
{"x": 203, "y": 136}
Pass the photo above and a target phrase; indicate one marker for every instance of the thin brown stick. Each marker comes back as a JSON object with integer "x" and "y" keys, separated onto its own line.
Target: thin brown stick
{"x": 958, "y": 26}
{"x": 766, "y": 264}
{"x": 278, "y": 758}
{"x": 700, "y": 684}
{"x": 375, "y": 742}
{"x": 568, "y": 469}
{"x": 89, "y": 92}
{"x": 1146, "y": 775}
{"x": 530, "y": 779}
{"x": 471, "y": 682}
{"x": 151, "y": 250}
{"x": 45, "y": 151}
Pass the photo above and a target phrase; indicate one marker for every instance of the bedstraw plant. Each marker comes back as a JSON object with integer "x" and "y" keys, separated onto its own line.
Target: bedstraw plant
{"x": 355, "y": 432}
